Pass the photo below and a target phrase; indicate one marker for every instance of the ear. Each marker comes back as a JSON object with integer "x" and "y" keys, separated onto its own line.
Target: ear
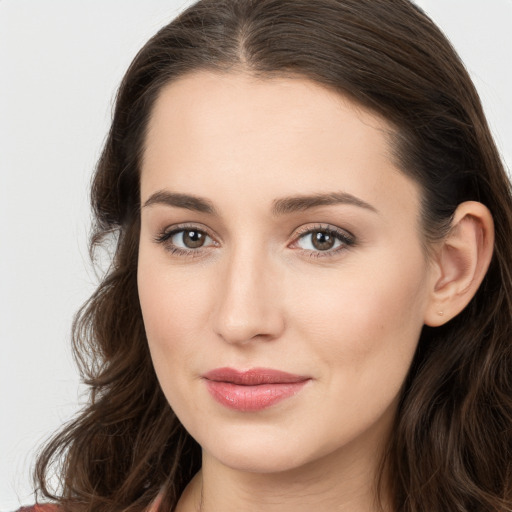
{"x": 460, "y": 262}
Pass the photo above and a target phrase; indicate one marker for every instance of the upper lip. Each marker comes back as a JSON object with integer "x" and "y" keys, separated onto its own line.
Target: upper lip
{"x": 253, "y": 376}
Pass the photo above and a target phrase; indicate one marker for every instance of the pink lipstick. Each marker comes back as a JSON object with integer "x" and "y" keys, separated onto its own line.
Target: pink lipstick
{"x": 254, "y": 389}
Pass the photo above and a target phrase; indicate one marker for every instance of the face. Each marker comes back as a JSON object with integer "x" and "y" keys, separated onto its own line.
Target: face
{"x": 281, "y": 274}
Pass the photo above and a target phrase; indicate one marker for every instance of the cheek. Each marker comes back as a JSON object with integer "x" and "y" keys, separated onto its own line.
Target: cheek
{"x": 173, "y": 306}
{"x": 364, "y": 318}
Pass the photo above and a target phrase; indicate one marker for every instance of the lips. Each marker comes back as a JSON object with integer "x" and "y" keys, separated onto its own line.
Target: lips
{"x": 252, "y": 390}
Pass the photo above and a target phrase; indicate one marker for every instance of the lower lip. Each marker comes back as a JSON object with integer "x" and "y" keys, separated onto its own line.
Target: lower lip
{"x": 252, "y": 398}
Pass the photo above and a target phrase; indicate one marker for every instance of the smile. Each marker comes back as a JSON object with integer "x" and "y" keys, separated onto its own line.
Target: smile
{"x": 252, "y": 390}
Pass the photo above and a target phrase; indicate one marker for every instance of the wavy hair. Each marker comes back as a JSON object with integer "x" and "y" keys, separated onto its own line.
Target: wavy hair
{"x": 451, "y": 447}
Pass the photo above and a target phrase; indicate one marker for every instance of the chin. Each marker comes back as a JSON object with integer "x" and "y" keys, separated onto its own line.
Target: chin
{"x": 260, "y": 449}
{"x": 258, "y": 461}
{"x": 250, "y": 448}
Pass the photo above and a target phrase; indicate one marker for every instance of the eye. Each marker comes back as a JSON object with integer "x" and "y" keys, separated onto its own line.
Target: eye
{"x": 324, "y": 239}
{"x": 185, "y": 240}
{"x": 189, "y": 238}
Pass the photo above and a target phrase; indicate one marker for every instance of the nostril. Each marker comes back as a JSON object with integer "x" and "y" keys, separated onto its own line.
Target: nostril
{"x": 250, "y": 326}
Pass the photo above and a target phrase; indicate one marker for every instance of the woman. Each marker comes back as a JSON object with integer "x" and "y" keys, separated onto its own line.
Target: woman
{"x": 309, "y": 306}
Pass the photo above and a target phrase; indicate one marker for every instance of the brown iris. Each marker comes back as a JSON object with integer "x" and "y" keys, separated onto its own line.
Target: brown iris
{"x": 322, "y": 240}
{"x": 193, "y": 238}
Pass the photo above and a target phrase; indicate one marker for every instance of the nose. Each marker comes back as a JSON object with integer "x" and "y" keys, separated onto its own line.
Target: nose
{"x": 248, "y": 307}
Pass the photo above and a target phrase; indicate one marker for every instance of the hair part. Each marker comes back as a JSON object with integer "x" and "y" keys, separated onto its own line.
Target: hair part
{"x": 451, "y": 446}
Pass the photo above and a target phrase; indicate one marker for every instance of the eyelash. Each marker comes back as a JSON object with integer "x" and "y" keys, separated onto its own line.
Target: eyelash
{"x": 347, "y": 240}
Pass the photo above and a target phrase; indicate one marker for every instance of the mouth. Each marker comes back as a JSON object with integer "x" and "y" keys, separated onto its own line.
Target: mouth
{"x": 252, "y": 390}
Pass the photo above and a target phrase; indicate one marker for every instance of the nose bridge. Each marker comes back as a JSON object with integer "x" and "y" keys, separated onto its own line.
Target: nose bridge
{"x": 247, "y": 303}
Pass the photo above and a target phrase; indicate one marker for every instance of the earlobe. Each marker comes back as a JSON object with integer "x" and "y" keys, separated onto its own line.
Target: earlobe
{"x": 461, "y": 262}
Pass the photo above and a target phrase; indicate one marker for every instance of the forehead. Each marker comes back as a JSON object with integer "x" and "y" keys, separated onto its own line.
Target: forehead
{"x": 278, "y": 136}
{"x": 207, "y": 103}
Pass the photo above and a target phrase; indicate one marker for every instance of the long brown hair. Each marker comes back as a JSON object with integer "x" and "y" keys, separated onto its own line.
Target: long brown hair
{"x": 451, "y": 448}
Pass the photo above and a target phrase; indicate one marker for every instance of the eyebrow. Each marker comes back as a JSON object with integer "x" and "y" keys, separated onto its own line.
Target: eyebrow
{"x": 186, "y": 201}
{"x": 283, "y": 206}
{"x": 305, "y": 202}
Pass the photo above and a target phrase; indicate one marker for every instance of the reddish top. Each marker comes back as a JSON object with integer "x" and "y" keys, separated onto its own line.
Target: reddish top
{"x": 39, "y": 508}
{"x": 54, "y": 508}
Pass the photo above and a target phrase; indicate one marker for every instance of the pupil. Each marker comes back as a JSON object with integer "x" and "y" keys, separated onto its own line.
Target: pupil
{"x": 193, "y": 239}
{"x": 322, "y": 241}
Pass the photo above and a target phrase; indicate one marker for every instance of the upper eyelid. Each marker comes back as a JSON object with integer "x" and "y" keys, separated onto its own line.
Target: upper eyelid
{"x": 323, "y": 227}
{"x": 183, "y": 227}
{"x": 299, "y": 231}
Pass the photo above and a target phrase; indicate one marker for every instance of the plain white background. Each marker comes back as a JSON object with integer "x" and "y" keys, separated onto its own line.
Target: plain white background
{"x": 60, "y": 64}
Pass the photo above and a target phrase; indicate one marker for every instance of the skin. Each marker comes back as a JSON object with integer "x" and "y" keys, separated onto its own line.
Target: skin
{"x": 259, "y": 294}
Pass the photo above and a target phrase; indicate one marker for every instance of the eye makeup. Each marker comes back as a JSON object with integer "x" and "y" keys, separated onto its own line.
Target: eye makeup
{"x": 318, "y": 241}
{"x": 325, "y": 240}
{"x": 191, "y": 234}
